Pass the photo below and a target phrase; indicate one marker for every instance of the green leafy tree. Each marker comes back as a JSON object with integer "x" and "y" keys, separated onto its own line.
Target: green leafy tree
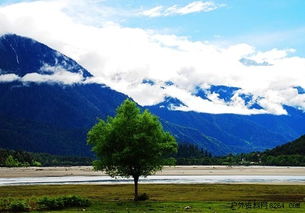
{"x": 131, "y": 144}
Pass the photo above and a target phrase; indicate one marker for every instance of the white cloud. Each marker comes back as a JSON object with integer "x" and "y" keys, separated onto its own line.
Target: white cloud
{"x": 153, "y": 12}
{"x": 8, "y": 77}
{"x": 193, "y": 7}
{"x": 62, "y": 77}
{"x": 57, "y": 75}
{"x": 122, "y": 57}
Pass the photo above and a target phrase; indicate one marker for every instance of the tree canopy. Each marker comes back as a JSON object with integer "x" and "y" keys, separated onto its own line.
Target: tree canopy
{"x": 133, "y": 143}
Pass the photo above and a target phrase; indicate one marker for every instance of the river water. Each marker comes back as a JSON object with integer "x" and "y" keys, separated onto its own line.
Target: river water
{"x": 154, "y": 180}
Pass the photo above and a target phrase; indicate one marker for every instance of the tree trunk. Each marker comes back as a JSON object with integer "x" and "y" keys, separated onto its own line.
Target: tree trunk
{"x": 135, "y": 179}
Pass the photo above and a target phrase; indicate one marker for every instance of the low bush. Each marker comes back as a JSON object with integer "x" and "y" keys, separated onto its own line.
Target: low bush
{"x": 4, "y": 204}
{"x": 50, "y": 203}
{"x": 47, "y": 203}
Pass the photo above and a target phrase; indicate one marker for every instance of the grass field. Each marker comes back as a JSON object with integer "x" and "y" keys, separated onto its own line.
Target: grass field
{"x": 209, "y": 198}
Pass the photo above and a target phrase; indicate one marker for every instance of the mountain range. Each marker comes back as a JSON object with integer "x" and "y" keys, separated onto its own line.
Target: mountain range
{"x": 47, "y": 105}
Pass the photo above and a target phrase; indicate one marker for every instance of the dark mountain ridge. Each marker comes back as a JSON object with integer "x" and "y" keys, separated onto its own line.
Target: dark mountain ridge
{"x": 296, "y": 147}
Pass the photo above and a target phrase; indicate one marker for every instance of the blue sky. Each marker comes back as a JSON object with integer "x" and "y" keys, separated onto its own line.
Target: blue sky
{"x": 265, "y": 24}
{"x": 255, "y": 45}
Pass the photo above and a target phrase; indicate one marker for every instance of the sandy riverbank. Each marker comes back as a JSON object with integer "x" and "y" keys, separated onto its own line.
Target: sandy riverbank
{"x": 176, "y": 170}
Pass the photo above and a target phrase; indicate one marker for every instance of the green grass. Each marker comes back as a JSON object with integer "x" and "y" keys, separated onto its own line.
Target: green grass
{"x": 206, "y": 207}
{"x": 210, "y": 198}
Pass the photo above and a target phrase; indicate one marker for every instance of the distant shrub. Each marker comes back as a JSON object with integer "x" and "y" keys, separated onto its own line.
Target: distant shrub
{"x": 26, "y": 164}
{"x": 143, "y": 197}
{"x": 62, "y": 202}
{"x": 36, "y": 163}
{"x": 11, "y": 162}
{"x": 19, "y": 206}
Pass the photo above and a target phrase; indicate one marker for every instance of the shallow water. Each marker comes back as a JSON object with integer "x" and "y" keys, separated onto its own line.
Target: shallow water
{"x": 152, "y": 179}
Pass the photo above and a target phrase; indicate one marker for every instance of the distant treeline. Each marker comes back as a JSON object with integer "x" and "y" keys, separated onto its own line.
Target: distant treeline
{"x": 255, "y": 158}
{"x": 290, "y": 154}
{"x": 190, "y": 154}
{"x": 12, "y": 158}
{"x": 263, "y": 159}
